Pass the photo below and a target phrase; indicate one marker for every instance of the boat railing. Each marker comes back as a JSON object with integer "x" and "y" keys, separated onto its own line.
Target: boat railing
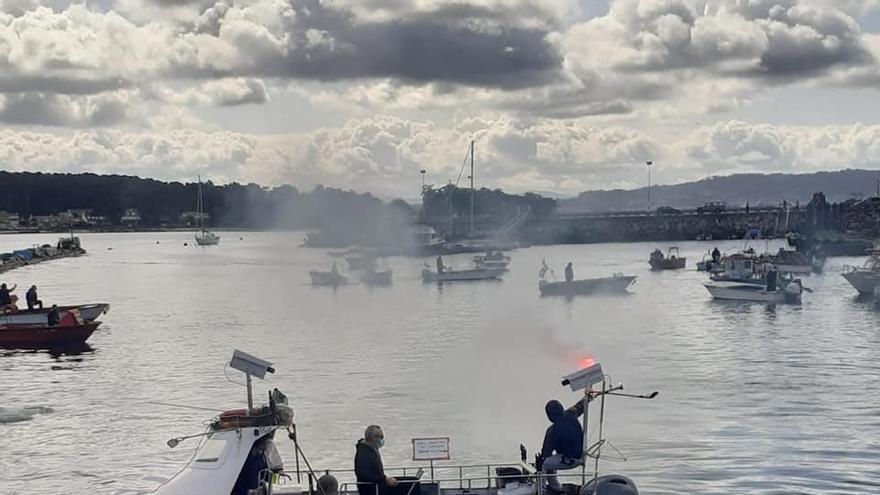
{"x": 463, "y": 480}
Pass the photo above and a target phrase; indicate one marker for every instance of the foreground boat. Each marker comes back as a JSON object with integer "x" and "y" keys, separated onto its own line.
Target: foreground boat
{"x": 238, "y": 452}
{"x": 745, "y": 291}
{"x": 616, "y": 284}
{"x": 450, "y": 275}
{"x": 88, "y": 312}
{"x": 71, "y": 330}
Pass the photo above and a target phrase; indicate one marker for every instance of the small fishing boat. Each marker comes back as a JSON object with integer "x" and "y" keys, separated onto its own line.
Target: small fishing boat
{"x": 88, "y": 312}
{"x": 451, "y": 275}
{"x": 671, "y": 261}
{"x": 238, "y": 452}
{"x": 616, "y": 284}
{"x": 789, "y": 293}
{"x": 71, "y": 330}
{"x": 866, "y": 278}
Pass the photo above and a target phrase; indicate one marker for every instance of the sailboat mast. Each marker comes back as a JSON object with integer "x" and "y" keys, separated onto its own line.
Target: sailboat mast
{"x": 472, "y": 187}
{"x": 200, "y": 224}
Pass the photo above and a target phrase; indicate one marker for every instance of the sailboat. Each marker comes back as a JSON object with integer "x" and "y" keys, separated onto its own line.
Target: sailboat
{"x": 203, "y": 237}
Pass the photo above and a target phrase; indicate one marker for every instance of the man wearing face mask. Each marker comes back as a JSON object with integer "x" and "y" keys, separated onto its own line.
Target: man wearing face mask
{"x": 370, "y": 471}
{"x": 368, "y": 463}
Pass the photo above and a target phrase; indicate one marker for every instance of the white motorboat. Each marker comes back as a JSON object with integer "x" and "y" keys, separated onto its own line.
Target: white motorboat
{"x": 88, "y": 312}
{"x": 238, "y": 455}
{"x": 616, "y": 284}
{"x": 789, "y": 293}
{"x": 866, "y": 278}
{"x": 451, "y": 275}
{"x": 203, "y": 237}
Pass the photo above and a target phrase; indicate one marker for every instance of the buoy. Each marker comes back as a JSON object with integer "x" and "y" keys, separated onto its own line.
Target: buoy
{"x": 185, "y": 244}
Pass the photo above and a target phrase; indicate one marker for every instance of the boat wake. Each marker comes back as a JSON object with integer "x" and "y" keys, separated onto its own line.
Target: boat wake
{"x": 19, "y": 414}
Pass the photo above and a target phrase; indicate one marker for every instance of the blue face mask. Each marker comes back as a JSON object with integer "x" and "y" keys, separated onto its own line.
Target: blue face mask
{"x": 381, "y": 442}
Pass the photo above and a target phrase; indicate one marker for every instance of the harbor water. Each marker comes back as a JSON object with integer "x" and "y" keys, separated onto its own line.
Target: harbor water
{"x": 753, "y": 399}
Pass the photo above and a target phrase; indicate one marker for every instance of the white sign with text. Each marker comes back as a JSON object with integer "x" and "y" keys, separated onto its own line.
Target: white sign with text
{"x": 431, "y": 449}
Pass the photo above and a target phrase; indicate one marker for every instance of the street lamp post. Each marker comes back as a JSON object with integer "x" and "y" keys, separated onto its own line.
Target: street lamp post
{"x": 650, "y": 199}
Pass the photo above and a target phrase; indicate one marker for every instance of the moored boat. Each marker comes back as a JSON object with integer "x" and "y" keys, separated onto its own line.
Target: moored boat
{"x": 616, "y": 284}
{"x": 866, "y": 278}
{"x": 671, "y": 261}
{"x": 88, "y": 312}
{"x": 789, "y": 293}
{"x": 450, "y": 275}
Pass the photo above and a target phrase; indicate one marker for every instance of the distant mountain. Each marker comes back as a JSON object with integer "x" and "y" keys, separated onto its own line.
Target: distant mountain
{"x": 735, "y": 190}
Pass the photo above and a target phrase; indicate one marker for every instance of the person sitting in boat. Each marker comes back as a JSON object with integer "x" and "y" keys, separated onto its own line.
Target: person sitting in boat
{"x": 6, "y": 302}
{"x": 33, "y": 300}
{"x": 569, "y": 272}
{"x": 563, "y": 442}
{"x": 54, "y": 316}
{"x": 440, "y": 266}
{"x": 371, "y": 473}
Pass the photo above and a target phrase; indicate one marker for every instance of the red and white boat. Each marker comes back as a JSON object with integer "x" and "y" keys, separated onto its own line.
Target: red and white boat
{"x": 71, "y": 330}
{"x": 88, "y": 312}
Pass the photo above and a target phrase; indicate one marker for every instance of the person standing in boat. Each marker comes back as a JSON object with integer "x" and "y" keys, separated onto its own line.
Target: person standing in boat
{"x": 6, "y": 297}
{"x": 33, "y": 300}
{"x": 770, "y": 273}
{"x": 371, "y": 473}
{"x": 563, "y": 446}
{"x": 569, "y": 272}
{"x": 716, "y": 255}
{"x": 440, "y": 266}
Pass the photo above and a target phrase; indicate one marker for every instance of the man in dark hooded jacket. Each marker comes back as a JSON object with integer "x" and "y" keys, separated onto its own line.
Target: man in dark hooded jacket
{"x": 563, "y": 443}
{"x": 371, "y": 473}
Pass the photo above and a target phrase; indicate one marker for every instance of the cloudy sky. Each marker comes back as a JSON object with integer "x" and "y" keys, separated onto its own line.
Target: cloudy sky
{"x": 560, "y": 95}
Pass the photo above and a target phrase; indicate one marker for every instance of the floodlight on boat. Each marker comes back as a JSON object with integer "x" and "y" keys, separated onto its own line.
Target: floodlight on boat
{"x": 584, "y": 378}
{"x": 250, "y": 365}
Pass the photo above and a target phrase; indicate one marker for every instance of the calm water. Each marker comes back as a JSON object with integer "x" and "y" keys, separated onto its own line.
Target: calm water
{"x": 752, "y": 399}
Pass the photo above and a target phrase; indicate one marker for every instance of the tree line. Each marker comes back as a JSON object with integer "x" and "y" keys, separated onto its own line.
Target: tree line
{"x": 161, "y": 203}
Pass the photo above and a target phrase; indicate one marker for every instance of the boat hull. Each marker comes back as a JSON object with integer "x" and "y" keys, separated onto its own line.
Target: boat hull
{"x": 461, "y": 275}
{"x": 606, "y": 285}
{"x": 88, "y": 312}
{"x": 668, "y": 264}
{"x": 207, "y": 240}
{"x": 863, "y": 281}
{"x": 45, "y": 336}
{"x": 735, "y": 291}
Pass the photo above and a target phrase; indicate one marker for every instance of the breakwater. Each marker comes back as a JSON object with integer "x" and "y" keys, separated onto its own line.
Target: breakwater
{"x": 66, "y": 247}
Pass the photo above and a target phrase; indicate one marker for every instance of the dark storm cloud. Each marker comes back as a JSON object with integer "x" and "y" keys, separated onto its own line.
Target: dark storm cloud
{"x": 58, "y": 85}
{"x": 457, "y": 43}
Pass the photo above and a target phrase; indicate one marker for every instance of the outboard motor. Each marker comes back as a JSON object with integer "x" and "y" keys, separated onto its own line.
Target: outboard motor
{"x": 612, "y": 484}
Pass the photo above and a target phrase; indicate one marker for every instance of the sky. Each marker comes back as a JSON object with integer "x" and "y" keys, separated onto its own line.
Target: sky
{"x": 559, "y": 96}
